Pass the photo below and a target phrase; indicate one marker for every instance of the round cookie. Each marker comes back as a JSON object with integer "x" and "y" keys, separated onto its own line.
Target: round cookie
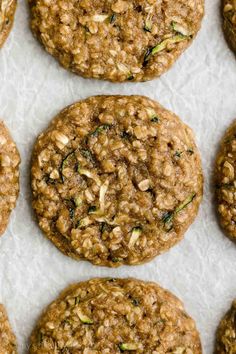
{"x": 7, "y": 11}
{"x": 9, "y": 176}
{"x": 7, "y": 337}
{"x": 114, "y": 316}
{"x": 226, "y": 333}
{"x": 229, "y": 25}
{"x": 116, "y": 179}
{"x": 225, "y": 179}
{"x": 119, "y": 40}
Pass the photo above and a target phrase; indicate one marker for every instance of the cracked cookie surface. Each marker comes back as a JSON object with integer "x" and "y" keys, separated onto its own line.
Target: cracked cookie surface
{"x": 116, "y": 179}
{"x": 119, "y": 40}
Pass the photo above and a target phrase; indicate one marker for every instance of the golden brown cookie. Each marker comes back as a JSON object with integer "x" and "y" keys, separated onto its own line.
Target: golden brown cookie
{"x": 116, "y": 179}
{"x": 225, "y": 178}
{"x": 119, "y": 40}
{"x": 7, "y": 337}
{"x": 9, "y": 176}
{"x": 115, "y": 316}
{"x": 7, "y": 11}
{"x": 226, "y": 334}
{"x": 229, "y": 13}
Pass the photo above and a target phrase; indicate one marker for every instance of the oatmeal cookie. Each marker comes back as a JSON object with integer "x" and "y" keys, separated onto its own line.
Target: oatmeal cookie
{"x": 116, "y": 179}
{"x": 7, "y": 338}
{"x": 9, "y": 176}
{"x": 115, "y": 316}
{"x": 226, "y": 333}
{"x": 229, "y": 25}
{"x": 119, "y": 40}
{"x": 225, "y": 175}
{"x": 7, "y": 11}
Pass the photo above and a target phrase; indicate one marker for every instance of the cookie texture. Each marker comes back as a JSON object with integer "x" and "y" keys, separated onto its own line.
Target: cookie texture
{"x": 229, "y": 13}
{"x": 114, "y": 316}
{"x": 225, "y": 174}
{"x": 9, "y": 176}
{"x": 226, "y": 333}
{"x": 117, "y": 40}
{"x": 7, "y": 337}
{"x": 7, "y": 11}
{"x": 116, "y": 179}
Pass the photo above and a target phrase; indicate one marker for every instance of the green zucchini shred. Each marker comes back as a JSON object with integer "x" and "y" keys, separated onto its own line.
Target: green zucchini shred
{"x": 148, "y": 26}
{"x": 111, "y": 280}
{"x": 87, "y": 154}
{"x": 135, "y": 233}
{"x": 137, "y": 229}
{"x": 130, "y": 77}
{"x": 64, "y": 163}
{"x": 77, "y": 300}
{"x": 161, "y": 46}
{"x": 78, "y": 201}
{"x": 71, "y": 212}
{"x": 125, "y": 135}
{"x": 100, "y": 129}
{"x": 155, "y": 119}
{"x": 40, "y": 337}
{"x": 113, "y": 18}
{"x": 135, "y": 302}
{"x": 85, "y": 319}
{"x": 190, "y": 151}
{"x": 92, "y": 209}
{"x": 103, "y": 226}
{"x": 168, "y": 217}
{"x": 178, "y": 153}
{"x": 185, "y": 203}
{"x": 116, "y": 259}
{"x": 128, "y": 346}
{"x": 178, "y": 28}
{"x": 82, "y": 223}
{"x": 168, "y": 220}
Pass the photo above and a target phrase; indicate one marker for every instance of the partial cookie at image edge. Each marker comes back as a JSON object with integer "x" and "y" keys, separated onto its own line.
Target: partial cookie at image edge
{"x": 109, "y": 315}
{"x": 7, "y": 338}
{"x": 7, "y": 12}
{"x": 119, "y": 41}
{"x": 225, "y": 182}
{"x": 226, "y": 333}
{"x": 229, "y": 22}
{"x": 9, "y": 176}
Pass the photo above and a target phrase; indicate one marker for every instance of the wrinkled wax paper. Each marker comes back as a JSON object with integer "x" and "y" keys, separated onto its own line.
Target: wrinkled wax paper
{"x": 201, "y": 89}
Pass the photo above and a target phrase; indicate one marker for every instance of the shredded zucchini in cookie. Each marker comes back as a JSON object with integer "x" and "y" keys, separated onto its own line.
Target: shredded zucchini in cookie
{"x": 89, "y": 174}
{"x": 135, "y": 234}
{"x": 84, "y": 319}
{"x": 169, "y": 216}
{"x": 108, "y": 39}
{"x": 122, "y": 315}
{"x": 121, "y": 171}
{"x": 164, "y": 45}
{"x": 102, "y": 194}
{"x": 128, "y": 346}
{"x": 180, "y": 29}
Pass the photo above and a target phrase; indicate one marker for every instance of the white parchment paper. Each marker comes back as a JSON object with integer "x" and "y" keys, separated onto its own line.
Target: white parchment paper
{"x": 201, "y": 89}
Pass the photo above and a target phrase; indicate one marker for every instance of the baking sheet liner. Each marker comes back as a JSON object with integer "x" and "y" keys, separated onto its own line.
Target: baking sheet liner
{"x": 201, "y": 89}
